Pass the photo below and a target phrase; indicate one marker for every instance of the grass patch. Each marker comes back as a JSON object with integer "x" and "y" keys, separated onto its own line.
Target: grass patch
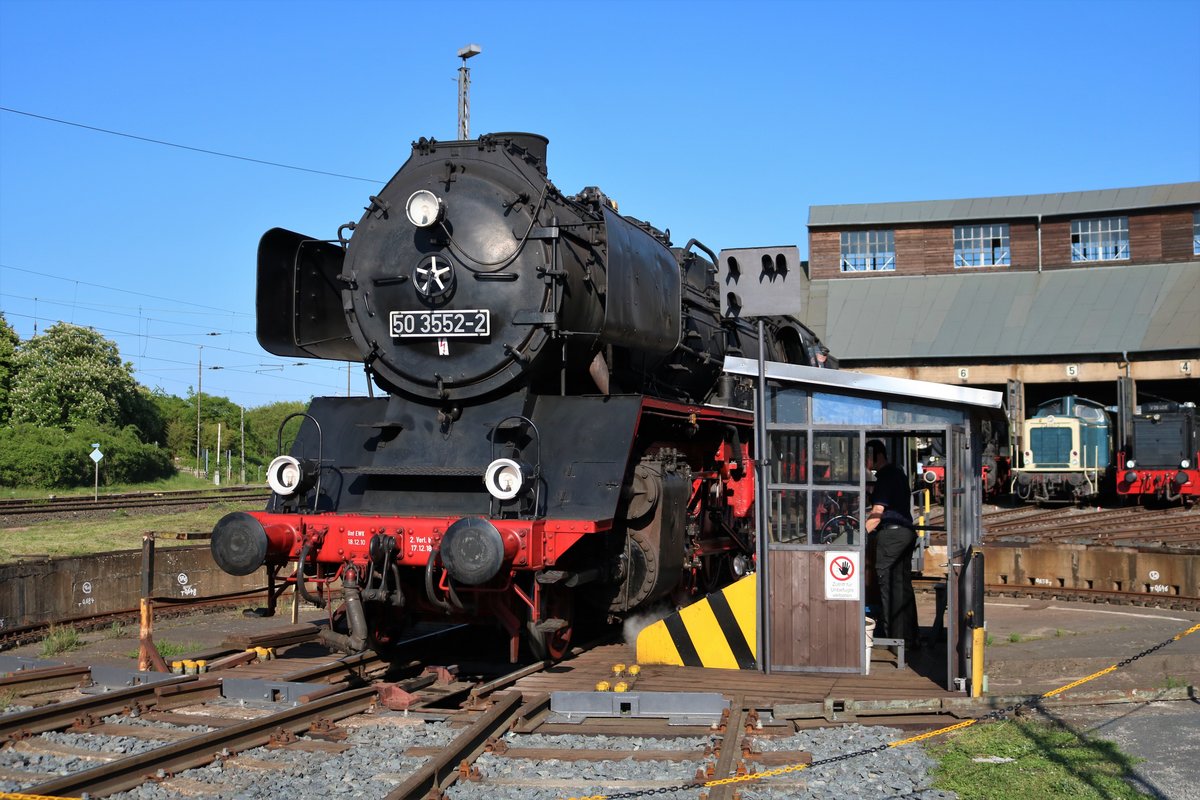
{"x": 1171, "y": 682}
{"x": 115, "y": 532}
{"x": 1047, "y": 761}
{"x": 7, "y": 698}
{"x": 61, "y": 639}
{"x": 1014, "y": 637}
{"x": 115, "y": 631}
{"x": 171, "y": 650}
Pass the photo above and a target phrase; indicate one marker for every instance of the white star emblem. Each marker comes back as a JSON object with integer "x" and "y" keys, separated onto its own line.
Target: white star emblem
{"x": 434, "y": 277}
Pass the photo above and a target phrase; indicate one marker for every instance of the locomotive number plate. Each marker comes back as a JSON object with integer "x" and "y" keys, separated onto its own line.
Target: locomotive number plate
{"x": 431, "y": 324}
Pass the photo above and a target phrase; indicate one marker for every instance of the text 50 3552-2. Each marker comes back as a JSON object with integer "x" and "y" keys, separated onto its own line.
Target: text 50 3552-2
{"x": 466, "y": 322}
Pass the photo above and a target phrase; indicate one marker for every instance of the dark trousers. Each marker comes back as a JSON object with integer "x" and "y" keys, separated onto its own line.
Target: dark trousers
{"x": 893, "y": 567}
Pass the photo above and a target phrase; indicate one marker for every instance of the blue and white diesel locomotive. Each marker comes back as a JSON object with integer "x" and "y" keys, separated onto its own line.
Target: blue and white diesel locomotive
{"x": 1068, "y": 451}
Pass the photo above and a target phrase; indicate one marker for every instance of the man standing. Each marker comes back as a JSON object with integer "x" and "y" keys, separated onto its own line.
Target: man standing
{"x": 890, "y": 522}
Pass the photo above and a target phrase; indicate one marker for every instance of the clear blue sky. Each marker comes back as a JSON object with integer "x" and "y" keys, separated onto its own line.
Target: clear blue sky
{"x": 722, "y": 121}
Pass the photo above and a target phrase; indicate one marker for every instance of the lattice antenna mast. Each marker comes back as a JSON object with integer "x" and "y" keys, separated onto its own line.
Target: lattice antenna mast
{"x": 464, "y": 90}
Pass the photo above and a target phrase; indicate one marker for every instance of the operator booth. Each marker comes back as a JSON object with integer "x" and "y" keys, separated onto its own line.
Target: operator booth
{"x": 813, "y": 561}
{"x": 812, "y": 425}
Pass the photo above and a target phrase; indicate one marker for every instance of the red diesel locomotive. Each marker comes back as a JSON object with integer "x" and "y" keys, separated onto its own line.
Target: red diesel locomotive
{"x": 1161, "y": 461}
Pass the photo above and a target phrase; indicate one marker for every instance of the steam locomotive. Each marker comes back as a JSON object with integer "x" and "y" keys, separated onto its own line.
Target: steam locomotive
{"x": 555, "y": 441}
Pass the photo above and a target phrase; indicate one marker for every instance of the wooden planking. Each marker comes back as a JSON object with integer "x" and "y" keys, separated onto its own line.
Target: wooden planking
{"x": 759, "y": 690}
{"x": 808, "y": 631}
{"x": 824, "y": 254}
{"x": 1176, "y": 235}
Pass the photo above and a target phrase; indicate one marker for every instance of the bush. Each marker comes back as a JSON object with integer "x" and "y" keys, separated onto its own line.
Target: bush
{"x": 50, "y": 458}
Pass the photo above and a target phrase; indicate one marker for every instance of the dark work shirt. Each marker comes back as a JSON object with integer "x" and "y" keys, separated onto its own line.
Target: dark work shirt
{"x": 891, "y": 492}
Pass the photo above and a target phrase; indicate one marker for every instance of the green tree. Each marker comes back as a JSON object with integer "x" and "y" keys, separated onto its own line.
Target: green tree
{"x": 220, "y": 420}
{"x": 262, "y": 431}
{"x": 70, "y": 376}
{"x": 179, "y": 420}
{"x": 34, "y": 455}
{"x": 8, "y": 352}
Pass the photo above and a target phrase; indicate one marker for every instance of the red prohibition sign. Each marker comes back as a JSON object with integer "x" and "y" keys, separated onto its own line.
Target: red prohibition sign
{"x": 841, "y": 568}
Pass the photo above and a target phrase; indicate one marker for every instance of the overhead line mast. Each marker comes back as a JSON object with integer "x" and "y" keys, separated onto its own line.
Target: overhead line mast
{"x": 464, "y": 90}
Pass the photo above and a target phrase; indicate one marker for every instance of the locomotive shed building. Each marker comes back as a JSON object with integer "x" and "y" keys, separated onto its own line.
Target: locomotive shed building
{"x": 1064, "y": 293}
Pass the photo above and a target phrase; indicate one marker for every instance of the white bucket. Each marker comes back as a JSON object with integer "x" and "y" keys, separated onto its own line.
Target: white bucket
{"x": 870, "y": 643}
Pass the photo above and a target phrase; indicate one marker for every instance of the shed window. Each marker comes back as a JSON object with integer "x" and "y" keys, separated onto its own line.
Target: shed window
{"x": 1101, "y": 239}
{"x": 868, "y": 251}
{"x": 981, "y": 245}
{"x": 1196, "y": 233}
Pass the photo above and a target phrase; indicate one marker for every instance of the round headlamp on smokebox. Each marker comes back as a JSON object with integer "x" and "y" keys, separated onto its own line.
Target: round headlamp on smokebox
{"x": 424, "y": 208}
{"x": 288, "y": 475}
{"x": 505, "y": 478}
{"x": 929, "y": 476}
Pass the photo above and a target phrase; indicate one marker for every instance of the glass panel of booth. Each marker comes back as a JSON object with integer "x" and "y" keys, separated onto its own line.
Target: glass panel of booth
{"x": 788, "y": 516}
{"x": 817, "y": 482}
{"x": 836, "y": 457}
{"x": 789, "y": 456}
{"x": 841, "y": 409}
{"x": 898, "y": 413}
{"x": 835, "y": 517}
{"x": 815, "y": 486}
{"x": 787, "y": 406}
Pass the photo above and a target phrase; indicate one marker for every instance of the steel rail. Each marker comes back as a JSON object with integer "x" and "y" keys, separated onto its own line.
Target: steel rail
{"x": 127, "y": 773}
{"x": 207, "y": 490}
{"x": 730, "y": 747}
{"x": 21, "y": 634}
{"x": 61, "y": 715}
{"x": 64, "y": 506}
{"x": 1068, "y": 593}
{"x": 438, "y": 773}
{"x": 44, "y": 679}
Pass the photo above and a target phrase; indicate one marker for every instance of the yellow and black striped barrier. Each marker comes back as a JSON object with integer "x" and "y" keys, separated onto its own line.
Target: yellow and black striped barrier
{"x": 720, "y": 631}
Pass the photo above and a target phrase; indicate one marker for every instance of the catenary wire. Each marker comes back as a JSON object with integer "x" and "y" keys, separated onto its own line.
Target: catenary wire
{"x": 115, "y": 289}
{"x": 187, "y": 147}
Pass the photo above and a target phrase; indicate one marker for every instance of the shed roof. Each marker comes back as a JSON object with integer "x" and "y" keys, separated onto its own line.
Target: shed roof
{"x": 1016, "y": 206}
{"x": 1086, "y": 311}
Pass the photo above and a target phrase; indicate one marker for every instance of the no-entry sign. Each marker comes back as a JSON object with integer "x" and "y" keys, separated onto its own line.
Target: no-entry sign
{"x": 841, "y": 575}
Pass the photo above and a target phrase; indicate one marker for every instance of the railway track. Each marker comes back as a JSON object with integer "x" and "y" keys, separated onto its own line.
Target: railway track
{"x": 1121, "y": 556}
{"x": 311, "y": 725}
{"x": 17, "y": 635}
{"x": 12, "y": 509}
{"x": 1128, "y": 526}
{"x": 1132, "y": 525}
{"x": 1101, "y": 596}
{"x": 421, "y": 732}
